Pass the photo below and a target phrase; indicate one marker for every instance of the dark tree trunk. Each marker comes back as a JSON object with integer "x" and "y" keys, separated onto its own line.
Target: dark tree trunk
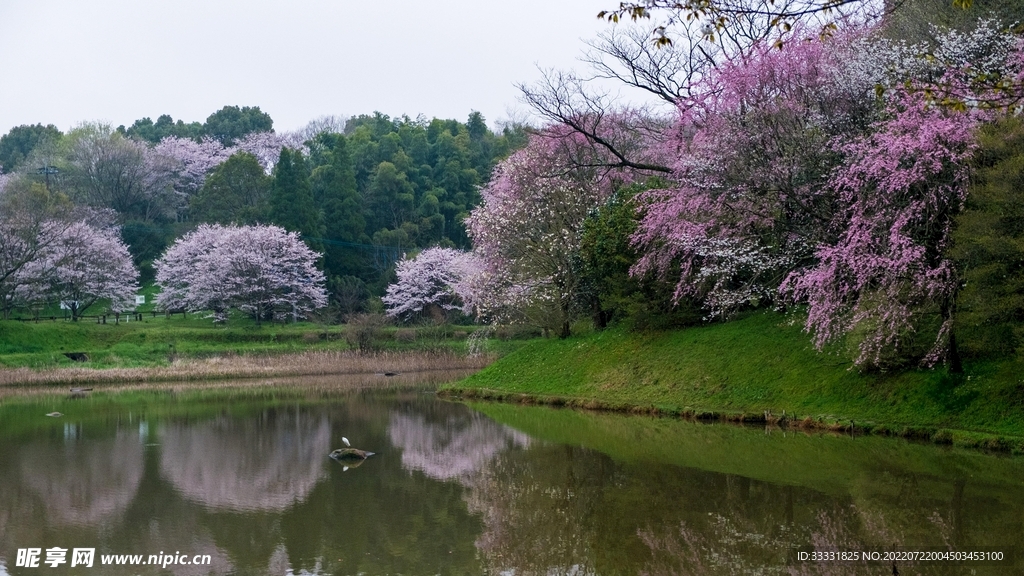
{"x": 599, "y": 316}
{"x": 564, "y": 333}
{"x": 953, "y": 357}
{"x": 953, "y": 361}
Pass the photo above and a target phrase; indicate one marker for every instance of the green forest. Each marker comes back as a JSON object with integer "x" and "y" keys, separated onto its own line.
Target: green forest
{"x": 362, "y": 191}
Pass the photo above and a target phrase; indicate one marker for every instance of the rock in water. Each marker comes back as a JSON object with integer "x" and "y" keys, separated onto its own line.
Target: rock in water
{"x": 350, "y": 454}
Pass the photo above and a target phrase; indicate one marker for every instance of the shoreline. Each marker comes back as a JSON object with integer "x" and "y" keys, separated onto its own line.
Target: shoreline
{"x": 240, "y": 367}
{"x": 760, "y": 369}
{"x": 935, "y": 435}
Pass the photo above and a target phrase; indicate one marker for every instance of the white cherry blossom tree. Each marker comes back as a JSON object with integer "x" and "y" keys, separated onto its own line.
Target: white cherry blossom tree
{"x": 428, "y": 283}
{"x": 262, "y": 271}
{"x": 85, "y": 264}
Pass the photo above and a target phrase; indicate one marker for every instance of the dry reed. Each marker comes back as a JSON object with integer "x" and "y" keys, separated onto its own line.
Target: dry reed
{"x": 323, "y": 384}
{"x": 313, "y": 363}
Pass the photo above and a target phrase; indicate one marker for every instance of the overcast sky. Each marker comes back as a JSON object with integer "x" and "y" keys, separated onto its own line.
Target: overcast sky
{"x": 68, "y": 61}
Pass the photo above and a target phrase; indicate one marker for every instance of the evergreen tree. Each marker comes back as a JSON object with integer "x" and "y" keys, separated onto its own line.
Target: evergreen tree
{"x": 989, "y": 245}
{"x": 231, "y": 123}
{"x": 16, "y": 145}
{"x": 334, "y": 190}
{"x": 291, "y": 200}
{"x": 235, "y": 193}
{"x": 165, "y": 126}
{"x": 415, "y": 182}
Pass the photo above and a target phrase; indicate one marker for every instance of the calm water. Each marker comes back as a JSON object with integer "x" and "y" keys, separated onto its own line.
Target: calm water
{"x": 243, "y": 476}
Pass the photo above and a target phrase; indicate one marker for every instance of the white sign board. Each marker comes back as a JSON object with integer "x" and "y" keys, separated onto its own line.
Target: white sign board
{"x": 140, "y": 299}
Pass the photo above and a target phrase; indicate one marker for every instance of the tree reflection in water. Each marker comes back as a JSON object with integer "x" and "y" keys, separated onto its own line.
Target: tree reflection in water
{"x": 264, "y": 463}
{"x": 456, "y": 447}
{"x": 558, "y": 509}
{"x": 452, "y": 491}
{"x": 83, "y": 482}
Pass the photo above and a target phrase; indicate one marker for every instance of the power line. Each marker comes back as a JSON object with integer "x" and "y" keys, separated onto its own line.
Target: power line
{"x": 327, "y": 241}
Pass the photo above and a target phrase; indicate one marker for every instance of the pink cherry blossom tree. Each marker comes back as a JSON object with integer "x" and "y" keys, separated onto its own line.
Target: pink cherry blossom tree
{"x": 25, "y": 210}
{"x": 830, "y": 171}
{"x": 188, "y": 273}
{"x": 900, "y": 188}
{"x": 886, "y": 275}
{"x": 262, "y": 271}
{"x": 191, "y": 161}
{"x": 754, "y": 152}
{"x": 266, "y": 146}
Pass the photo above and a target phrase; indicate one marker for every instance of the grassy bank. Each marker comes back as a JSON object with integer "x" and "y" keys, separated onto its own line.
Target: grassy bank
{"x": 757, "y": 369}
{"x": 191, "y": 348}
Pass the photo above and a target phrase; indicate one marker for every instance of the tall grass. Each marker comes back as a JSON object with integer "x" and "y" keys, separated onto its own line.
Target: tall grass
{"x": 309, "y": 363}
{"x": 277, "y": 386}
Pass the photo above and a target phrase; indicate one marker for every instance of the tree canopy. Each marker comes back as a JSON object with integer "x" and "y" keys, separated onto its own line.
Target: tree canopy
{"x": 18, "y": 144}
{"x": 263, "y": 271}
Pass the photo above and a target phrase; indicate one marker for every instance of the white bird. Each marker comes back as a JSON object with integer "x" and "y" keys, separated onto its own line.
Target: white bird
{"x": 345, "y": 440}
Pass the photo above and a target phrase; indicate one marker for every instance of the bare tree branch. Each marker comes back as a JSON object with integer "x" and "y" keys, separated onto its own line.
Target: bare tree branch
{"x": 625, "y": 54}
{"x": 741, "y": 19}
{"x": 562, "y": 98}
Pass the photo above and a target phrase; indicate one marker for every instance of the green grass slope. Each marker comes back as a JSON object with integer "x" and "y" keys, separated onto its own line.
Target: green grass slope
{"x": 151, "y": 342}
{"x": 761, "y": 362}
{"x": 157, "y": 340}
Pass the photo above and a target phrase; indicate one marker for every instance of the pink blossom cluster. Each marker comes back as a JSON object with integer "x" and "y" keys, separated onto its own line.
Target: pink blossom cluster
{"x": 186, "y": 163}
{"x": 191, "y": 160}
{"x": 754, "y": 151}
{"x": 266, "y": 146}
{"x": 262, "y": 271}
{"x": 816, "y": 175}
{"x": 900, "y": 187}
{"x": 24, "y": 235}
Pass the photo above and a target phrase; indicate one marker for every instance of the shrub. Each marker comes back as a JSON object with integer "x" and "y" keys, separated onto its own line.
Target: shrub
{"x": 365, "y": 331}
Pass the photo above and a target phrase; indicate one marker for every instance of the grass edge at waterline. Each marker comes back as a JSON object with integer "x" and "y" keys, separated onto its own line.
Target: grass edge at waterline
{"x": 758, "y": 369}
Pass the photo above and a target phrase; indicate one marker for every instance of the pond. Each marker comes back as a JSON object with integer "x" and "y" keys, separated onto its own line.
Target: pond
{"x": 239, "y": 480}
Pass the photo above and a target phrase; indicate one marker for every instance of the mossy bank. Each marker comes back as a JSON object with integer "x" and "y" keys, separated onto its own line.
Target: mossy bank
{"x": 762, "y": 368}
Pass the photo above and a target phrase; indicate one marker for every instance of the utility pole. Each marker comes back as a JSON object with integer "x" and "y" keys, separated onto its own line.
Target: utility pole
{"x": 47, "y": 170}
